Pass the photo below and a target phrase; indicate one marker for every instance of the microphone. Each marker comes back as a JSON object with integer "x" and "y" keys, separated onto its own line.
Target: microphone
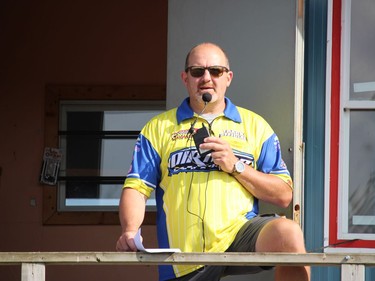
{"x": 206, "y": 97}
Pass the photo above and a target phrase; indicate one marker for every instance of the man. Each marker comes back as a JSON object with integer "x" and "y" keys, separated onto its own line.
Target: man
{"x": 208, "y": 202}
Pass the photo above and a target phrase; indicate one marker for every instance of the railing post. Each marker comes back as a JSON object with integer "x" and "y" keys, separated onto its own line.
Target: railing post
{"x": 33, "y": 272}
{"x": 352, "y": 272}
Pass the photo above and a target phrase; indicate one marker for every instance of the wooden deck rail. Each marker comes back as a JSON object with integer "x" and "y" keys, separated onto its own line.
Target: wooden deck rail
{"x": 33, "y": 263}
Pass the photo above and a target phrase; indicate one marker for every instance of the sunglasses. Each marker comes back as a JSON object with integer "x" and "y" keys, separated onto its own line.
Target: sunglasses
{"x": 198, "y": 71}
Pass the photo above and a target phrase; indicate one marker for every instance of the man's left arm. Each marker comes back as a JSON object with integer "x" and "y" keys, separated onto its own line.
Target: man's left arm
{"x": 264, "y": 186}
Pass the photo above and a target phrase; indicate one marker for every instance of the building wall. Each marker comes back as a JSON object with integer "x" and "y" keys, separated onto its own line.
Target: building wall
{"x": 66, "y": 42}
{"x": 112, "y": 42}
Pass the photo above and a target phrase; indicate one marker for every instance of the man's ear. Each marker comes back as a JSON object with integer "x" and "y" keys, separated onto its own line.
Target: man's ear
{"x": 230, "y": 77}
{"x": 184, "y": 77}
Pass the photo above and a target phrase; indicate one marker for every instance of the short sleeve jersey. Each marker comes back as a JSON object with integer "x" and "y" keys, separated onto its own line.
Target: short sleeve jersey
{"x": 199, "y": 207}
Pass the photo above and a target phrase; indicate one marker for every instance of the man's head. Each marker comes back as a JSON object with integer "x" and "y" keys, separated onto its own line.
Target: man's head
{"x": 207, "y": 71}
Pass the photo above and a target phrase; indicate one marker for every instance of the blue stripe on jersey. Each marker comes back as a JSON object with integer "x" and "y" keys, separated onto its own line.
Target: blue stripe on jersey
{"x": 255, "y": 211}
{"x": 165, "y": 271}
{"x": 149, "y": 171}
{"x": 270, "y": 160}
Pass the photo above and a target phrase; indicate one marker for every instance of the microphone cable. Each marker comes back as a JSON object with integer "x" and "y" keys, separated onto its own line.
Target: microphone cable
{"x": 206, "y": 97}
{"x": 200, "y": 217}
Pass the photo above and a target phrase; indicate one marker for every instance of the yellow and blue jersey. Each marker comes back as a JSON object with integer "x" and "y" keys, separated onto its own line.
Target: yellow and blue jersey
{"x": 199, "y": 207}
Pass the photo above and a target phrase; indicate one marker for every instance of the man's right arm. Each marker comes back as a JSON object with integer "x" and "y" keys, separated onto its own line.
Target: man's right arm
{"x": 131, "y": 211}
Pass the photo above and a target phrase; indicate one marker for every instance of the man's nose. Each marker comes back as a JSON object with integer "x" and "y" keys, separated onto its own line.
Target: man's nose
{"x": 206, "y": 75}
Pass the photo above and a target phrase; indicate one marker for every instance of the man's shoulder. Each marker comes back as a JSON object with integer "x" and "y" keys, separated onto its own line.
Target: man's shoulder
{"x": 246, "y": 113}
{"x": 169, "y": 114}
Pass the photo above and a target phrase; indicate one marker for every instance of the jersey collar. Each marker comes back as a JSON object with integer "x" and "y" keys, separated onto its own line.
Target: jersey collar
{"x": 184, "y": 111}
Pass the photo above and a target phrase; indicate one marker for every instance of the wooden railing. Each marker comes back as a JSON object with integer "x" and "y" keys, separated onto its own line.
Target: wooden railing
{"x": 33, "y": 263}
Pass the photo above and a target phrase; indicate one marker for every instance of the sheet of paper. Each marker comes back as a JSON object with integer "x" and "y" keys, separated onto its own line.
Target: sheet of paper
{"x": 140, "y": 247}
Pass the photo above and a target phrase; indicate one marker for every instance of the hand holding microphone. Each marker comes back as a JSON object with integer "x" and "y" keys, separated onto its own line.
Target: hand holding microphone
{"x": 203, "y": 132}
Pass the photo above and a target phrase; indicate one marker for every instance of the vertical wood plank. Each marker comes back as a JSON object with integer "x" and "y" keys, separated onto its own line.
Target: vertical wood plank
{"x": 33, "y": 272}
{"x": 352, "y": 272}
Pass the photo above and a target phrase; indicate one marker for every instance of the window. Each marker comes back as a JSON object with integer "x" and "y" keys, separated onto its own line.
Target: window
{"x": 97, "y": 139}
{"x": 352, "y": 126}
{"x": 358, "y": 123}
{"x": 95, "y": 127}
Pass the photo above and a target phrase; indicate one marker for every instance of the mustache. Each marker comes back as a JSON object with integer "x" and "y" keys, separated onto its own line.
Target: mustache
{"x": 207, "y": 86}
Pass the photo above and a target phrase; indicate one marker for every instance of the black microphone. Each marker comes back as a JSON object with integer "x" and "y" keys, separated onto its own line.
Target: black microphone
{"x": 206, "y": 97}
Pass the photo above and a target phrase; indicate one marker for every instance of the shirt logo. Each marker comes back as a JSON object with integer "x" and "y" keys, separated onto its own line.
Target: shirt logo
{"x": 189, "y": 160}
{"x": 180, "y": 135}
{"x": 234, "y": 134}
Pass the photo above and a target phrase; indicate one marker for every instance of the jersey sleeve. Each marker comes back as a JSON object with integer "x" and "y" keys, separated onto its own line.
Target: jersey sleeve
{"x": 270, "y": 160}
{"x": 144, "y": 173}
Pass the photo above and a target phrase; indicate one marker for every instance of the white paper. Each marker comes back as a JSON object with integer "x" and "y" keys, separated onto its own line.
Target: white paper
{"x": 140, "y": 247}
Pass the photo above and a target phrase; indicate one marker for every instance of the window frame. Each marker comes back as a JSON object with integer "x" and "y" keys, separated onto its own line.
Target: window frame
{"x": 148, "y": 108}
{"x": 54, "y": 94}
{"x": 347, "y": 105}
{"x": 339, "y": 105}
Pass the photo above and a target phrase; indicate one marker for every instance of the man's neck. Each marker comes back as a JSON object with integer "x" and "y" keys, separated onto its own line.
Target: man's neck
{"x": 211, "y": 108}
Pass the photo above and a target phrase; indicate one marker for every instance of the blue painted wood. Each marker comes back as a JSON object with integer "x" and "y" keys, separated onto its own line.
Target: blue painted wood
{"x": 314, "y": 124}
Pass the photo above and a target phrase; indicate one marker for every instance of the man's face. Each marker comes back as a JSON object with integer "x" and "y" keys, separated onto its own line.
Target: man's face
{"x": 207, "y": 55}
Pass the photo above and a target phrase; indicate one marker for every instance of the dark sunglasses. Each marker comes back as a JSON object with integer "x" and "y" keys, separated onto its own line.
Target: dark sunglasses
{"x": 198, "y": 71}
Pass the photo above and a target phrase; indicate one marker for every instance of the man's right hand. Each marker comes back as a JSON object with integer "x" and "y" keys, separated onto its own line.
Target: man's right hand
{"x": 126, "y": 242}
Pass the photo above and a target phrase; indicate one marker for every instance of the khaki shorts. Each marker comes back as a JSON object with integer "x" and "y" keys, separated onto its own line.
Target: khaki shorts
{"x": 244, "y": 242}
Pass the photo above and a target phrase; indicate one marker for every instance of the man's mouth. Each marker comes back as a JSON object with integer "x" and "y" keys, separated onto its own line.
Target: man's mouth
{"x": 206, "y": 88}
